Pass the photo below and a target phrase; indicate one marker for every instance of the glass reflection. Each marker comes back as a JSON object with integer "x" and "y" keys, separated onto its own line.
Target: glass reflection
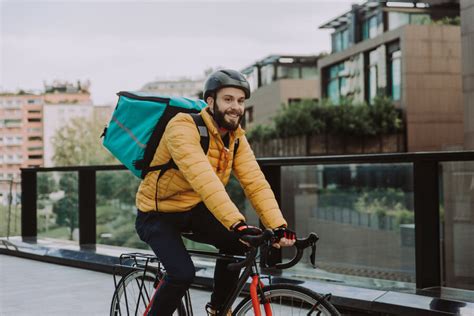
{"x": 364, "y": 217}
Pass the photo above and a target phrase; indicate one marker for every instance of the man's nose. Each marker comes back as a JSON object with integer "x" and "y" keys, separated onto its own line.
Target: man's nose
{"x": 236, "y": 105}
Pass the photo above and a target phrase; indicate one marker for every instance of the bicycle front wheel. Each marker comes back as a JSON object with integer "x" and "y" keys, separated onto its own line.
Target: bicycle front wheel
{"x": 287, "y": 299}
{"x": 133, "y": 294}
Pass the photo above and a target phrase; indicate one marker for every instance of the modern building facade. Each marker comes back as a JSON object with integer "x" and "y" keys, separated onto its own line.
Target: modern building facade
{"x": 406, "y": 51}
{"x": 277, "y": 80}
{"x": 21, "y": 137}
{"x": 467, "y": 35}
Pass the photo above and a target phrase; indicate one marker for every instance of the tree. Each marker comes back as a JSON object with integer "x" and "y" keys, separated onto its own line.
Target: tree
{"x": 79, "y": 143}
{"x": 121, "y": 186}
{"x": 66, "y": 209}
{"x": 45, "y": 184}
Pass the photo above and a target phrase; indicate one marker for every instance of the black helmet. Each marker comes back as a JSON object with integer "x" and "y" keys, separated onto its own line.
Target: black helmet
{"x": 226, "y": 78}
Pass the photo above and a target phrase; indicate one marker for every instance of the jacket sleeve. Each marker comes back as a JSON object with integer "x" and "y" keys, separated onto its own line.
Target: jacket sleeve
{"x": 256, "y": 187}
{"x": 183, "y": 142}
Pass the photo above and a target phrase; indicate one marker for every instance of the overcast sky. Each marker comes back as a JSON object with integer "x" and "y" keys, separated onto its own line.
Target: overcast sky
{"x": 122, "y": 45}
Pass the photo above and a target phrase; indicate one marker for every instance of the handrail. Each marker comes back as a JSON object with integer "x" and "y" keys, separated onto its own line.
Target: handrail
{"x": 311, "y": 160}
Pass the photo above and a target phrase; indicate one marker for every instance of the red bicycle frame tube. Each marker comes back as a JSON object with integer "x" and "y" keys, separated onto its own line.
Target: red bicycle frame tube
{"x": 152, "y": 298}
{"x": 255, "y": 299}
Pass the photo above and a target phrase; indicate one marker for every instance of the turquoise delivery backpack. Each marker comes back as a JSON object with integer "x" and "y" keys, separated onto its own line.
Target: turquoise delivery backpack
{"x": 138, "y": 123}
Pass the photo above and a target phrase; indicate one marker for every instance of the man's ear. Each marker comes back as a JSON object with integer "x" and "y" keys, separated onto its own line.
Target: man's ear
{"x": 210, "y": 102}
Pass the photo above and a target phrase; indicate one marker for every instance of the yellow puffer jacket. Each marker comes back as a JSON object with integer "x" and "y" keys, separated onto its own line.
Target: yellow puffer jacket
{"x": 202, "y": 178}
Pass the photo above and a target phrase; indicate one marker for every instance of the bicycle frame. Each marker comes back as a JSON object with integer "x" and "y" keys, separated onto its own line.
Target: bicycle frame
{"x": 247, "y": 262}
{"x": 250, "y": 271}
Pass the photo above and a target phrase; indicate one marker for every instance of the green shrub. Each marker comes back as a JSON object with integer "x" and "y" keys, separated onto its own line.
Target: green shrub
{"x": 347, "y": 118}
{"x": 261, "y": 133}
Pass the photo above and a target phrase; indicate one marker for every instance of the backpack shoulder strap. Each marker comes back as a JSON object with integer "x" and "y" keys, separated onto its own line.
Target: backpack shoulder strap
{"x": 202, "y": 129}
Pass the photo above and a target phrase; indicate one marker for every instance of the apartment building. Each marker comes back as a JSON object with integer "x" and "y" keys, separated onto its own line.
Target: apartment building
{"x": 277, "y": 80}
{"x": 409, "y": 52}
{"x": 21, "y": 137}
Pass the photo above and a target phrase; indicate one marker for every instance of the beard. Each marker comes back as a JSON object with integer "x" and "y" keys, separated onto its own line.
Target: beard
{"x": 230, "y": 125}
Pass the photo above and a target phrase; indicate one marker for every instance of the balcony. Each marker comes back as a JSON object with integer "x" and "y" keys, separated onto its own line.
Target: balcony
{"x": 395, "y": 229}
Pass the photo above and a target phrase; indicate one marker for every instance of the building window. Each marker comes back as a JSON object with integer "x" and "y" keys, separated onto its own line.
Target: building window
{"x": 336, "y": 83}
{"x": 398, "y": 19}
{"x": 35, "y": 148}
{"x": 396, "y": 74}
{"x": 34, "y": 111}
{"x": 35, "y": 156}
{"x": 35, "y": 138}
{"x": 370, "y": 28}
{"x": 268, "y": 74}
{"x": 32, "y": 120}
{"x": 309, "y": 72}
{"x": 372, "y": 75}
{"x": 340, "y": 40}
{"x": 288, "y": 72}
{"x": 249, "y": 114}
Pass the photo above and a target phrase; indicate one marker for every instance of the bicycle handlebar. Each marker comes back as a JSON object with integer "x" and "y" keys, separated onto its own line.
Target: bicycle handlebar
{"x": 268, "y": 237}
{"x": 301, "y": 244}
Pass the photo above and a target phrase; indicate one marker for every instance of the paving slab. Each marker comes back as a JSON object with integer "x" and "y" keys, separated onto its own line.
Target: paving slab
{"x": 29, "y": 287}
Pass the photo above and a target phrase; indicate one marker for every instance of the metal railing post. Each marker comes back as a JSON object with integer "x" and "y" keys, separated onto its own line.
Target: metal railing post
{"x": 427, "y": 219}
{"x": 87, "y": 208}
{"x": 29, "y": 220}
{"x": 273, "y": 176}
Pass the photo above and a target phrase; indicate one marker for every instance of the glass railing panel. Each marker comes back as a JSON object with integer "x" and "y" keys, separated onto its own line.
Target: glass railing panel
{"x": 364, "y": 216}
{"x": 457, "y": 224}
{"x": 10, "y": 208}
{"x": 116, "y": 210}
{"x": 57, "y": 205}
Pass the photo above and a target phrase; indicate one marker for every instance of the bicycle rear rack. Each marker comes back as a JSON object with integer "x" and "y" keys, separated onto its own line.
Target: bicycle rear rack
{"x": 135, "y": 261}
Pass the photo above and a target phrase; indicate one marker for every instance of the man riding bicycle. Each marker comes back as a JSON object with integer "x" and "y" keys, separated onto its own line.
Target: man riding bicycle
{"x": 192, "y": 196}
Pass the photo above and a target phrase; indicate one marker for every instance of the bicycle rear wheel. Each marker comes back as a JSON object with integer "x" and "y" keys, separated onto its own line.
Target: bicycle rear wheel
{"x": 133, "y": 294}
{"x": 287, "y": 299}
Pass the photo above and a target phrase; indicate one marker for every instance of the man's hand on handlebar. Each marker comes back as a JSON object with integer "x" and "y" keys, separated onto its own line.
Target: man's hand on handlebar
{"x": 285, "y": 237}
{"x": 242, "y": 229}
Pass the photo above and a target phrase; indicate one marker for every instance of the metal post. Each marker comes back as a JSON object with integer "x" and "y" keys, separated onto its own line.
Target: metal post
{"x": 427, "y": 234}
{"x": 87, "y": 208}
{"x": 28, "y": 206}
{"x": 10, "y": 199}
{"x": 273, "y": 176}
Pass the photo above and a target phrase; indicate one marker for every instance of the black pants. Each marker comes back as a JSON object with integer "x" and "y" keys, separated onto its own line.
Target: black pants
{"x": 162, "y": 232}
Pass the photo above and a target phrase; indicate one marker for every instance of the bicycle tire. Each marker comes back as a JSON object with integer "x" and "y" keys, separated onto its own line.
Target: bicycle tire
{"x": 282, "y": 300}
{"x": 133, "y": 303}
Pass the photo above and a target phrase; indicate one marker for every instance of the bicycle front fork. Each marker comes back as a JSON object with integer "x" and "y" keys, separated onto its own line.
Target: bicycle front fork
{"x": 256, "y": 288}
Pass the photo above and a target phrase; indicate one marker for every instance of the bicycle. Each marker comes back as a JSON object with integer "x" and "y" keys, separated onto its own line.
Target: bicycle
{"x": 134, "y": 290}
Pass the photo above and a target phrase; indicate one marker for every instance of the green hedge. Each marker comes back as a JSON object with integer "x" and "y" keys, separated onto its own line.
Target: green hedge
{"x": 310, "y": 117}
